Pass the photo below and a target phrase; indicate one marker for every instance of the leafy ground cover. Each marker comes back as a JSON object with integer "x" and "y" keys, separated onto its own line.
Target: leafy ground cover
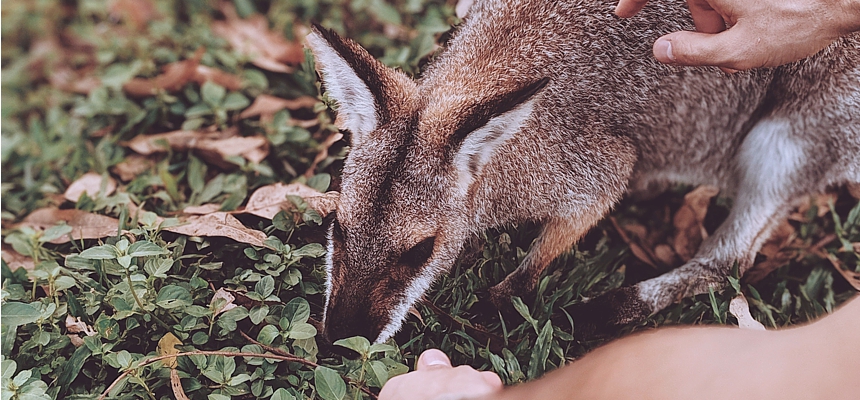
{"x": 164, "y": 170}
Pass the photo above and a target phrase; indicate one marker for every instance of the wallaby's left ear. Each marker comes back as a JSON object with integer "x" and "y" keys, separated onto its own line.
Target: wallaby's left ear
{"x": 488, "y": 125}
{"x": 367, "y": 92}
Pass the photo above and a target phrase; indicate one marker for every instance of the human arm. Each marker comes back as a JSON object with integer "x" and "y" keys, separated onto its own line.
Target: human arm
{"x": 743, "y": 34}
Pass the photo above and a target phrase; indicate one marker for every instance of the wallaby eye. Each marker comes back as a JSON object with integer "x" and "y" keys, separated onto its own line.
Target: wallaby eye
{"x": 418, "y": 254}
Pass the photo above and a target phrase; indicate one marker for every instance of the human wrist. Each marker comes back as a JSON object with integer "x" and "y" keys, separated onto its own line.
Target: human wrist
{"x": 850, "y": 18}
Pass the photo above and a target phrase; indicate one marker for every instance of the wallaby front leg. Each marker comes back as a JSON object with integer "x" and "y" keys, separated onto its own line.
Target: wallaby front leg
{"x": 557, "y": 236}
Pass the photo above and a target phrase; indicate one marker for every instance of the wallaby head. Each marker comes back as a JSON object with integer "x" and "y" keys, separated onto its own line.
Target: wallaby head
{"x": 404, "y": 214}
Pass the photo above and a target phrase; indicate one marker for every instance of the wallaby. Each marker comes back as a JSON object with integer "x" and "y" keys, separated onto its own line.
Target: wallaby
{"x": 551, "y": 111}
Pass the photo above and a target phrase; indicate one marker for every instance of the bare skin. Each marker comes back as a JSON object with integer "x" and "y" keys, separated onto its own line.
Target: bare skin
{"x": 815, "y": 361}
{"x": 743, "y": 34}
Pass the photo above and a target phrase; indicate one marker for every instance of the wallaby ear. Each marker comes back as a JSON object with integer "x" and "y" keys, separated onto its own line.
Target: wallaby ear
{"x": 489, "y": 125}
{"x": 366, "y": 90}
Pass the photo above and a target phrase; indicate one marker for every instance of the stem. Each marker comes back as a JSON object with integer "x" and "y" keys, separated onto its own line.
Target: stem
{"x": 308, "y": 363}
{"x": 291, "y": 358}
{"x": 140, "y": 304}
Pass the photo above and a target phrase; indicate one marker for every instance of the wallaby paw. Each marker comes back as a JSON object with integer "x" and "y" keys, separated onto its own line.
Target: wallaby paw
{"x": 494, "y": 301}
{"x": 605, "y": 314}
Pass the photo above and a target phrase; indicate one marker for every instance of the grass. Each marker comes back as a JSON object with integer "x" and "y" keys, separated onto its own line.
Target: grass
{"x": 83, "y": 315}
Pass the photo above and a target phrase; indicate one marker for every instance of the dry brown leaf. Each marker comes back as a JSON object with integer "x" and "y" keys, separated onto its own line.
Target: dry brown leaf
{"x": 776, "y": 252}
{"x": 176, "y": 385}
{"x": 174, "y": 77}
{"x": 741, "y": 310}
{"x": 66, "y": 79}
{"x": 253, "y": 148}
{"x": 84, "y": 225}
{"x": 17, "y": 260}
{"x": 688, "y": 220}
{"x": 219, "y": 224}
{"x": 214, "y": 147}
{"x": 251, "y": 36}
{"x": 267, "y": 201}
{"x": 821, "y": 202}
{"x": 324, "y": 146}
{"x": 132, "y": 166}
{"x": 90, "y": 183}
{"x": 852, "y": 277}
{"x": 166, "y": 347}
{"x": 76, "y": 340}
{"x": 228, "y": 301}
{"x": 136, "y": 12}
{"x": 202, "y": 210}
{"x": 638, "y": 251}
{"x": 665, "y": 254}
{"x": 75, "y": 325}
{"x": 268, "y": 105}
{"x": 222, "y": 78}
{"x": 854, "y": 190}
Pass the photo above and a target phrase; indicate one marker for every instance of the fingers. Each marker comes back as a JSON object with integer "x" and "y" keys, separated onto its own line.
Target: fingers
{"x": 492, "y": 379}
{"x": 729, "y": 49}
{"x": 629, "y": 8}
{"x": 431, "y": 359}
{"x": 707, "y": 19}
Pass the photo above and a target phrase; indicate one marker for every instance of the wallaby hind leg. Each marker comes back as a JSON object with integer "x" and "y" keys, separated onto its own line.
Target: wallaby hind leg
{"x": 772, "y": 165}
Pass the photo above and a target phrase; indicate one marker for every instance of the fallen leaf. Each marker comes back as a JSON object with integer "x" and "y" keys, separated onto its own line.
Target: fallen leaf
{"x": 820, "y": 201}
{"x": 166, "y": 347}
{"x": 90, "y": 183}
{"x": 202, "y": 210}
{"x": 174, "y": 77}
{"x": 324, "y": 146}
{"x": 776, "y": 252}
{"x": 17, "y": 260}
{"x": 688, "y": 220}
{"x": 665, "y": 254}
{"x": 136, "y": 12}
{"x": 741, "y": 310}
{"x": 854, "y": 190}
{"x": 69, "y": 80}
{"x": 75, "y": 325}
{"x": 219, "y": 224}
{"x": 228, "y": 298}
{"x": 253, "y": 148}
{"x": 132, "y": 166}
{"x": 214, "y": 147}
{"x": 267, "y": 201}
{"x": 75, "y": 340}
{"x": 202, "y": 74}
{"x": 251, "y": 36}
{"x": 176, "y": 385}
{"x": 269, "y": 105}
{"x": 84, "y": 225}
{"x": 638, "y": 251}
{"x": 852, "y": 277}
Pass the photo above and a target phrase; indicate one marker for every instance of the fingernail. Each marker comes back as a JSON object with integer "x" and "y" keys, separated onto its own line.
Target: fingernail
{"x": 663, "y": 51}
{"x": 434, "y": 357}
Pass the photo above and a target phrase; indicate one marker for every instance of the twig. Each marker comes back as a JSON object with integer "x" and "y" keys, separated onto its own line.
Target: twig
{"x": 309, "y": 363}
{"x": 197, "y": 353}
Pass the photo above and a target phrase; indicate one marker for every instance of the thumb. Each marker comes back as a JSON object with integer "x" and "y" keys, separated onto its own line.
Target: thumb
{"x": 432, "y": 359}
{"x": 728, "y": 49}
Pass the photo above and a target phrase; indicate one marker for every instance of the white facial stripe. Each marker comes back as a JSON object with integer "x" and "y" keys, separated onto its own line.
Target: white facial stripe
{"x": 328, "y": 268}
{"x": 356, "y": 105}
{"x": 416, "y": 288}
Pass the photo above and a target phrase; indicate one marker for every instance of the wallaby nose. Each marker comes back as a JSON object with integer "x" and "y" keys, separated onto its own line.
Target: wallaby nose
{"x": 342, "y": 325}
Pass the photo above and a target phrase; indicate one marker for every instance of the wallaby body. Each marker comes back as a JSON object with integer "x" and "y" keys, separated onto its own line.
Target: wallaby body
{"x": 483, "y": 140}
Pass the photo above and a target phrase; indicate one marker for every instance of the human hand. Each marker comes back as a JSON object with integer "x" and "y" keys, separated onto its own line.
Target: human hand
{"x": 435, "y": 378}
{"x": 761, "y": 33}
